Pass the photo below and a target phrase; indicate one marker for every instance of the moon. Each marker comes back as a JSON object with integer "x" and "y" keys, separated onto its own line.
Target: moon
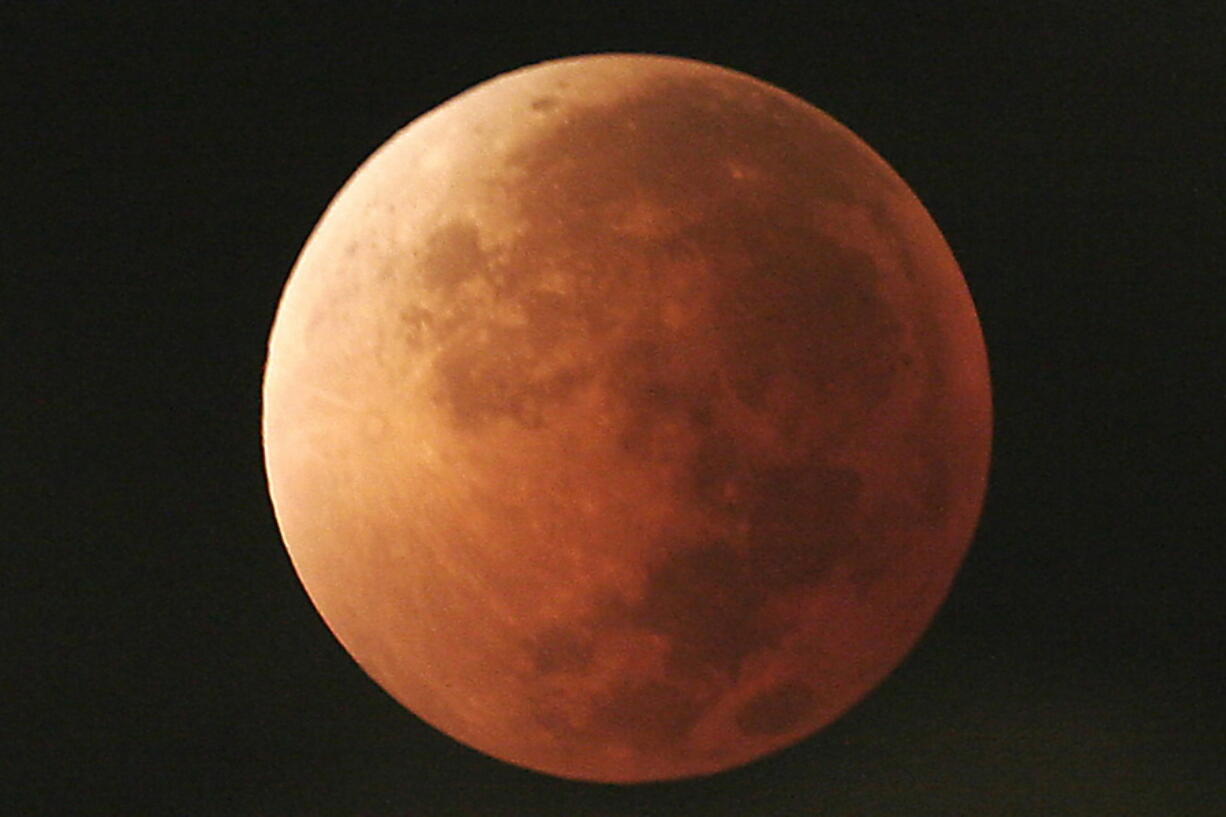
{"x": 627, "y": 418}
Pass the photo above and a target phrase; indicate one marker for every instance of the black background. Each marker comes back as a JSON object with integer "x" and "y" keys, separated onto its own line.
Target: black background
{"x": 164, "y": 166}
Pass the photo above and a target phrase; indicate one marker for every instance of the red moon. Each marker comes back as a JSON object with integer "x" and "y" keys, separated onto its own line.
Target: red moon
{"x": 627, "y": 418}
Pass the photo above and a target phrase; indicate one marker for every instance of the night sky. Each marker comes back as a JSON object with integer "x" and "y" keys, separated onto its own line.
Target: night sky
{"x": 163, "y": 169}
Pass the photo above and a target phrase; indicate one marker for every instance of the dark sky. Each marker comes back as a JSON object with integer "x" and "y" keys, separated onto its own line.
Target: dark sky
{"x": 164, "y": 168}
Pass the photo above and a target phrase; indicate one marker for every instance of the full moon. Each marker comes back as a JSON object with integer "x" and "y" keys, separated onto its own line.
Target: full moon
{"x": 627, "y": 418}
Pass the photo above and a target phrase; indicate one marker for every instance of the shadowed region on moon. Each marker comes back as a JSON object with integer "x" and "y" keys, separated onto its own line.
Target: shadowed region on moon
{"x": 626, "y": 418}
{"x": 777, "y": 711}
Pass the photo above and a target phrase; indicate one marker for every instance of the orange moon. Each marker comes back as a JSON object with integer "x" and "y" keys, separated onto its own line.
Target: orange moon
{"x": 626, "y": 418}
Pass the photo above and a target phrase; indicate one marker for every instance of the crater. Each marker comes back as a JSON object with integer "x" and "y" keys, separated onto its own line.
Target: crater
{"x": 453, "y": 255}
{"x": 803, "y": 518}
{"x": 648, "y": 714}
{"x": 559, "y": 649}
{"x": 705, "y": 600}
{"x": 708, "y": 594}
{"x": 776, "y": 711}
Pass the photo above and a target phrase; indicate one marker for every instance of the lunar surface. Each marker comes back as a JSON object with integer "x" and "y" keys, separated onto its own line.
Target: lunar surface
{"x": 626, "y": 418}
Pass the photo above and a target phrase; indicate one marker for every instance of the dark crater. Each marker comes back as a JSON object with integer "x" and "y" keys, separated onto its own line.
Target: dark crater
{"x": 559, "y": 649}
{"x": 706, "y": 596}
{"x": 648, "y": 714}
{"x": 777, "y": 710}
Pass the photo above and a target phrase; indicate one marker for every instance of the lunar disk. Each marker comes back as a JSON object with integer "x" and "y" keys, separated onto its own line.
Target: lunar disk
{"x": 626, "y": 418}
